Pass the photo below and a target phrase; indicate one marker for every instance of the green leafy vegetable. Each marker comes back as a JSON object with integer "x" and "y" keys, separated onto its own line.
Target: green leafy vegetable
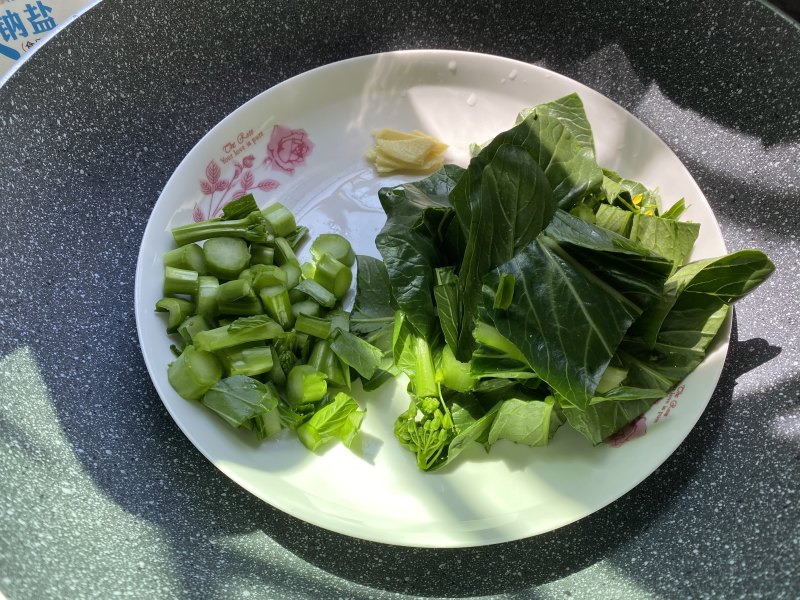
{"x": 565, "y": 321}
{"x": 339, "y": 419}
{"x": 409, "y": 251}
{"x": 529, "y": 422}
{"x": 667, "y": 237}
{"x": 239, "y": 398}
{"x": 727, "y": 279}
{"x": 252, "y": 228}
{"x": 357, "y": 353}
{"x": 426, "y": 429}
{"x": 373, "y": 309}
{"x": 599, "y": 421}
{"x": 535, "y": 289}
{"x": 447, "y": 297}
{"x": 510, "y": 202}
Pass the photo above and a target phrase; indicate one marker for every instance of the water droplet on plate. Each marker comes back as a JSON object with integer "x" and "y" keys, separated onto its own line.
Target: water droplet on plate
{"x": 472, "y": 100}
{"x": 451, "y": 66}
{"x": 503, "y": 81}
{"x": 513, "y": 75}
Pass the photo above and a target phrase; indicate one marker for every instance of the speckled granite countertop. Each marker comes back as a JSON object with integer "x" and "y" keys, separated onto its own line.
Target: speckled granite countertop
{"x": 101, "y": 495}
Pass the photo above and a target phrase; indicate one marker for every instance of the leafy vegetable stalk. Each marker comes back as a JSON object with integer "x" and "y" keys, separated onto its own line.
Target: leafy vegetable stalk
{"x": 252, "y": 228}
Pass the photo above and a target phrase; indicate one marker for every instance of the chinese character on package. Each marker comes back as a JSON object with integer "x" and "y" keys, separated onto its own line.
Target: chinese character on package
{"x": 23, "y": 23}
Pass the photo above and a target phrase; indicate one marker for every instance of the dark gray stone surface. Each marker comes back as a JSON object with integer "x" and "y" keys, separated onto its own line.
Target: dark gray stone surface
{"x": 102, "y": 496}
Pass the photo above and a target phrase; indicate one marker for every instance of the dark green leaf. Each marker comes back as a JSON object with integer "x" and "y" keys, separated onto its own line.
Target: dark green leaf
{"x": 627, "y": 393}
{"x": 566, "y": 322}
{"x": 409, "y": 249}
{"x": 570, "y": 112}
{"x": 447, "y": 306}
{"x": 374, "y": 307}
{"x": 569, "y": 166}
{"x": 726, "y": 279}
{"x": 680, "y": 346}
{"x": 628, "y": 267}
{"x": 503, "y": 199}
{"x": 357, "y": 353}
{"x": 510, "y": 203}
{"x": 518, "y": 204}
{"x": 379, "y": 378}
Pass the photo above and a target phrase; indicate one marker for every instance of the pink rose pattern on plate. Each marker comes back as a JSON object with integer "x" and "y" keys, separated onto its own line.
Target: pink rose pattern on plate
{"x": 631, "y": 431}
{"x": 636, "y": 429}
{"x": 286, "y": 150}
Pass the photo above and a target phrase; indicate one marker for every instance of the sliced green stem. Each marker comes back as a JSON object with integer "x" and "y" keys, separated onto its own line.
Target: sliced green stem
{"x": 239, "y": 208}
{"x": 189, "y": 257}
{"x": 207, "y": 305}
{"x": 261, "y": 255}
{"x": 333, "y": 275}
{"x": 241, "y": 331}
{"x": 252, "y": 228}
{"x": 297, "y": 236}
{"x": 191, "y": 327}
{"x": 280, "y": 219}
{"x": 335, "y": 246}
{"x": 180, "y": 281}
{"x": 316, "y": 326}
{"x": 226, "y": 257}
{"x": 194, "y": 372}
{"x": 305, "y": 307}
{"x": 292, "y": 274}
{"x": 284, "y": 254}
{"x": 424, "y": 376}
{"x": 246, "y": 360}
{"x": 305, "y": 384}
{"x": 179, "y": 310}
{"x": 238, "y": 298}
{"x": 316, "y": 291}
{"x": 261, "y": 276}
{"x": 275, "y": 299}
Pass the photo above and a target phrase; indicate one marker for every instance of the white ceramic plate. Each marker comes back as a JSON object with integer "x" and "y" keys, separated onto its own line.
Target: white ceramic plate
{"x": 302, "y": 143}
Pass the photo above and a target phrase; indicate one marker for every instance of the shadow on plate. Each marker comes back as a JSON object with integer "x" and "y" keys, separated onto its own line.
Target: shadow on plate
{"x": 196, "y": 506}
{"x": 513, "y": 566}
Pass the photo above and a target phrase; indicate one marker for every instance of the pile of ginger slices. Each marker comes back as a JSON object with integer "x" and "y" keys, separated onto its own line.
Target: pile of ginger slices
{"x": 400, "y": 152}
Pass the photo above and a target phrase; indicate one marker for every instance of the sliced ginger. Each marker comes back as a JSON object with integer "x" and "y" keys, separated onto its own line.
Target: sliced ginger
{"x": 400, "y": 152}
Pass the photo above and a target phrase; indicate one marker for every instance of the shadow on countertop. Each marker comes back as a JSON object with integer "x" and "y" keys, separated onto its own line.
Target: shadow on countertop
{"x": 126, "y": 164}
{"x": 463, "y": 572}
{"x": 790, "y": 7}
